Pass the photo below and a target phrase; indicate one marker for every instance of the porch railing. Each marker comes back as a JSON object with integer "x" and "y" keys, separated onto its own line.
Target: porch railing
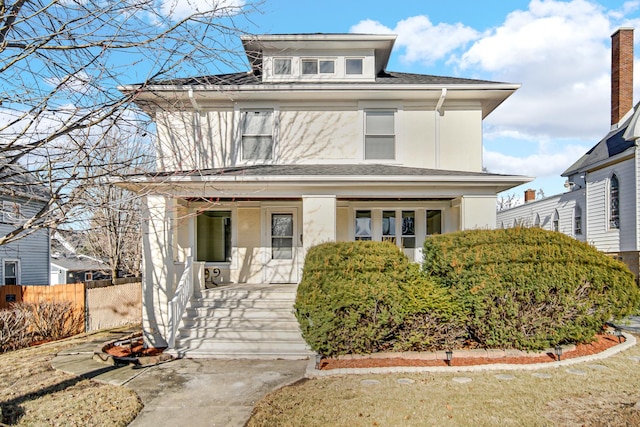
{"x": 178, "y": 303}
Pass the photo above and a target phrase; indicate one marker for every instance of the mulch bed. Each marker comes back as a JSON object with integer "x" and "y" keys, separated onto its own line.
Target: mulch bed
{"x": 135, "y": 349}
{"x": 601, "y": 343}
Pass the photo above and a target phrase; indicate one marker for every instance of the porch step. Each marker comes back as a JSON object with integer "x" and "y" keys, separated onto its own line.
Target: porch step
{"x": 242, "y": 321}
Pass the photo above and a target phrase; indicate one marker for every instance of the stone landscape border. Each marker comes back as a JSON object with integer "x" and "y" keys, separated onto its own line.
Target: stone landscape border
{"x": 312, "y": 372}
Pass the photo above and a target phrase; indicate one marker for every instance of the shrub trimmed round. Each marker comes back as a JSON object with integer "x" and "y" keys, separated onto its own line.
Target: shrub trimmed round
{"x": 365, "y": 297}
{"x": 528, "y": 288}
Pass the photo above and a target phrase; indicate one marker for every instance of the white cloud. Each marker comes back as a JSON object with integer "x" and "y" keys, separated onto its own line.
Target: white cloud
{"x": 180, "y": 9}
{"x": 422, "y": 41}
{"x": 542, "y": 164}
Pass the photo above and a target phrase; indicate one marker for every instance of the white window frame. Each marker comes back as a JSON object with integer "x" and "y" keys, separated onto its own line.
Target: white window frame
{"x": 11, "y": 212}
{"x": 394, "y": 113}
{"x": 243, "y": 112}
{"x": 577, "y": 214}
{"x": 609, "y": 204}
{"x": 555, "y": 221}
{"x": 318, "y": 62}
{"x": 346, "y": 68}
{"x": 18, "y": 270}
{"x": 274, "y": 68}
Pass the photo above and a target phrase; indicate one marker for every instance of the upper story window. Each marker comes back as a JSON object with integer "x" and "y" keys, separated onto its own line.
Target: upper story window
{"x": 282, "y": 66}
{"x": 577, "y": 219}
{"x": 318, "y": 66}
{"x": 614, "y": 203}
{"x": 353, "y": 66}
{"x": 379, "y": 139}
{"x": 257, "y": 135}
{"x": 11, "y": 212}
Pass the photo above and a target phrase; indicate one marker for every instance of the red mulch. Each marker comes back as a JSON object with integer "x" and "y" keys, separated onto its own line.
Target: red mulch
{"x": 135, "y": 350}
{"x": 601, "y": 343}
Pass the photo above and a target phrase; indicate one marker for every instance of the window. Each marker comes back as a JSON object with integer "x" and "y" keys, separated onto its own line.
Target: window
{"x": 363, "y": 225}
{"x": 408, "y": 229}
{"x": 11, "y": 272}
{"x": 577, "y": 220}
{"x": 389, "y": 226}
{"x": 257, "y": 135}
{"x": 11, "y": 212}
{"x": 213, "y": 236}
{"x": 282, "y": 236}
{"x": 282, "y": 66}
{"x": 536, "y": 222}
{"x": 614, "y": 203}
{"x": 556, "y": 221}
{"x": 353, "y": 66}
{"x": 434, "y": 222}
{"x": 379, "y": 140}
{"x": 321, "y": 66}
{"x": 88, "y": 277}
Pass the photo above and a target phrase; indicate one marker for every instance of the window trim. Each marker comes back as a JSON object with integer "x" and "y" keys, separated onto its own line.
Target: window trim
{"x": 18, "y": 270}
{"x": 394, "y": 113}
{"x": 614, "y": 216}
{"x": 318, "y": 68}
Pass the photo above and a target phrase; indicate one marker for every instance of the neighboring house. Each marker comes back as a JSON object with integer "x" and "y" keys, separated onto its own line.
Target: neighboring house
{"x": 316, "y": 143}
{"x": 67, "y": 266}
{"x": 602, "y": 204}
{"x": 26, "y": 260}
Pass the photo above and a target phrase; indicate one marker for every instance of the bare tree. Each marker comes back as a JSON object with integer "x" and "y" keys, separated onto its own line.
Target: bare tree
{"x": 507, "y": 201}
{"x": 60, "y": 65}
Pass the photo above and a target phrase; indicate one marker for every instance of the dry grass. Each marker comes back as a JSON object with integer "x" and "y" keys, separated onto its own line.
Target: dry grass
{"x": 33, "y": 393}
{"x": 605, "y": 396}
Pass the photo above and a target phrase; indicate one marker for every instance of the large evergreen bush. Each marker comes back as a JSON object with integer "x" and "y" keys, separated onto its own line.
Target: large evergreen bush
{"x": 365, "y": 297}
{"x": 528, "y": 288}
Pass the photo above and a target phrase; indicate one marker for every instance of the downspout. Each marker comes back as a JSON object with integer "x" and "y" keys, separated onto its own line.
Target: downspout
{"x": 197, "y": 129}
{"x": 440, "y": 112}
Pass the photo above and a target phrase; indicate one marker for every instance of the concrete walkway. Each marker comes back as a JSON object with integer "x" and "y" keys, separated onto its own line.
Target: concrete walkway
{"x": 191, "y": 392}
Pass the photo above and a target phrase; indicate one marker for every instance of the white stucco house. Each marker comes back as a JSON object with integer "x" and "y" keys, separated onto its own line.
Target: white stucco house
{"x": 317, "y": 142}
{"x": 602, "y": 206}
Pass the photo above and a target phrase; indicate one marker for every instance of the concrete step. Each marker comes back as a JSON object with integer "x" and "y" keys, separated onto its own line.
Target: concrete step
{"x": 243, "y": 303}
{"x": 255, "y": 324}
{"x": 241, "y": 312}
{"x": 234, "y": 346}
{"x": 207, "y": 354}
{"x": 251, "y": 293}
{"x": 286, "y": 335}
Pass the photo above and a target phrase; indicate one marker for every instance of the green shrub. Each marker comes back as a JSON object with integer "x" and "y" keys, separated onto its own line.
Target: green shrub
{"x": 365, "y": 297}
{"x": 528, "y": 288}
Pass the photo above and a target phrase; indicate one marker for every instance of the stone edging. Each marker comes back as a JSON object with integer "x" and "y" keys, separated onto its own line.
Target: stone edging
{"x": 100, "y": 355}
{"x": 312, "y": 372}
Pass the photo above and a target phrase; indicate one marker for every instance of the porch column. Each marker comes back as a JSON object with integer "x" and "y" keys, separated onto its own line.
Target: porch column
{"x": 478, "y": 212}
{"x": 318, "y": 220}
{"x": 157, "y": 267}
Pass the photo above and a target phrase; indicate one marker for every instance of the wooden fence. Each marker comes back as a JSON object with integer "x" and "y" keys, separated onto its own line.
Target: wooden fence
{"x": 73, "y": 292}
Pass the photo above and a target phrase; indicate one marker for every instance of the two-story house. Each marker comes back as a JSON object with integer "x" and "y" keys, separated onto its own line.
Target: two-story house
{"x": 24, "y": 261}
{"x": 602, "y": 204}
{"x": 317, "y": 142}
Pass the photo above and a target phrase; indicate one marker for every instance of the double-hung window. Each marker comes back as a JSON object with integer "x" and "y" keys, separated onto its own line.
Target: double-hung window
{"x": 363, "y": 225}
{"x": 389, "y": 226}
{"x": 257, "y": 135}
{"x": 11, "y": 271}
{"x": 379, "y": 139}
{"x": 577, "y": 219}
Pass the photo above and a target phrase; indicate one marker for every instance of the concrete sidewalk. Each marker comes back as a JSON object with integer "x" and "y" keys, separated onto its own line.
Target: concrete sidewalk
{"x": 192, "y": 392}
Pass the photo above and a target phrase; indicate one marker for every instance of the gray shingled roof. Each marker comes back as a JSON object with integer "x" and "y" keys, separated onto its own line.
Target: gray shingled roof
{"x": 249, "y": 78}
{"x": 322, "y": 170}
{"x": 609, "y": 146}
{"x": 18, "y": 181}
{"x": 78, "y": 263}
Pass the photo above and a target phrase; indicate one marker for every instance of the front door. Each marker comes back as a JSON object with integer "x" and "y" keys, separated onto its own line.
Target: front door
{"x": 282, "y": 246}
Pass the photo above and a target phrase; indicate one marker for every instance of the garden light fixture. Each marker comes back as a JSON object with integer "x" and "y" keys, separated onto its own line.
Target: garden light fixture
{"x": 618, "y": 332}
{"x": 449, "y": 355}
{"x": 318, "y": 360}
{"x": 558, "y": 352}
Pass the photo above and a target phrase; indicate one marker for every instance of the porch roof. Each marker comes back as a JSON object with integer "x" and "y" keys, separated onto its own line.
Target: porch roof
{"x": 305, "y": 178}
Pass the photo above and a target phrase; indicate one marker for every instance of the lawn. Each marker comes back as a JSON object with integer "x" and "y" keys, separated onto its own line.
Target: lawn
{"x": 603, "y": 392}
{"x": 33, "y": 393}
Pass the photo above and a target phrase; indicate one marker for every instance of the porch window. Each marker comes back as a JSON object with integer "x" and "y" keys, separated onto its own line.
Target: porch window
{"x": 11, "y": 269}
{"x": 408, "y": 229}
{"x": 281, "y": 236}
{"x": 389, "y": 226}
{"x": 257, "y": 135}
{"x": 434, "y": 222}
{"x": 363, "y": 225}
{"x": 213, "y": 236}
{"x": 379, "y": 140}
{"x": 614, "y": 203}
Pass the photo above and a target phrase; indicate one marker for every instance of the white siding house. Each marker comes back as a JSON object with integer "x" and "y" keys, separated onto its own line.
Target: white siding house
{"x": 317, "y": 142}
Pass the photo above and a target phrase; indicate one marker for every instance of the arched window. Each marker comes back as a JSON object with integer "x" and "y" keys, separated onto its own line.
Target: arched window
{"x": 536, "y": 222}
{"x": 577, "y": 220}
{"x": 614, "y": 203}
{"x": 556, "y": 221}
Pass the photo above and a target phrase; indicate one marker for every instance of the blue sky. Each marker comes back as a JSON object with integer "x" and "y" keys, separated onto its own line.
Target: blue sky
{"x": 558, "y": 50}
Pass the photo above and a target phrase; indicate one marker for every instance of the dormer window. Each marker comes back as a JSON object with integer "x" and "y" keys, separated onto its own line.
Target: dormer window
{"x": 282, "y": 66}
{"x": 318, "y": 66}
{"x": 353, "y": 65}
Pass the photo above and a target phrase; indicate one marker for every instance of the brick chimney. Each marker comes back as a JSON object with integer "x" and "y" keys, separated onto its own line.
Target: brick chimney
{"x": 529, "y": 195}
{"x": 621, "y": 74}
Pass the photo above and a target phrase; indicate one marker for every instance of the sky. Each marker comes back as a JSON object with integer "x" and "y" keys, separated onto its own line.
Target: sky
{"x": 559, "y": 51}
